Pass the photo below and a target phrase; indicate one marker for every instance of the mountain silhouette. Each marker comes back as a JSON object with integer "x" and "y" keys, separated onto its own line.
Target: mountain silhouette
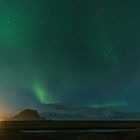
{"x": 27, "y": 115}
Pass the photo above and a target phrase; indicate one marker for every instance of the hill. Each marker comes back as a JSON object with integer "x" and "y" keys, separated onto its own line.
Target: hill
{"x": 27, "y": 115}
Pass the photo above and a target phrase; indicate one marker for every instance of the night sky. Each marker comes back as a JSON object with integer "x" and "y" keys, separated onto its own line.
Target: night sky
{"x": 76, "y": 52}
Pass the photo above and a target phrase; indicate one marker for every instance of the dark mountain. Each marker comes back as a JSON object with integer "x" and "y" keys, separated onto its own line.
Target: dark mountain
{"x": 27, "y": 115}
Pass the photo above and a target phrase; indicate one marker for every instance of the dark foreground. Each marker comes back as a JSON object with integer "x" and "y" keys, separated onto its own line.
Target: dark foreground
{"x": 40, "y": 130}
{"x": 133, "y": 135}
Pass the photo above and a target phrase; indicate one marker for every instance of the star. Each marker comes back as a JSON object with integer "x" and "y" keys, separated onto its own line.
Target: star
{"x": 8, "y": 21}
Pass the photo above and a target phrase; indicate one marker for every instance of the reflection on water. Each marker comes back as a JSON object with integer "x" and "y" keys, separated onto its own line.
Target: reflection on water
{"x": 84, "y": 131}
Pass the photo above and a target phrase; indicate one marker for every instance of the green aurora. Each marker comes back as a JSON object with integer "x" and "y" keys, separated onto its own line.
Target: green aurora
{"x": 76, "y": 52}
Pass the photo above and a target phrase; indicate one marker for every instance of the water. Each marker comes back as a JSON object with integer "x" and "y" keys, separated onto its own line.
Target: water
{"x": 83, "y": 131}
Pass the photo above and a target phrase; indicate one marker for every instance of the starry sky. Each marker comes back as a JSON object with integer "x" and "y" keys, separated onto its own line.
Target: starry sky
{"x": 76, "y": 52}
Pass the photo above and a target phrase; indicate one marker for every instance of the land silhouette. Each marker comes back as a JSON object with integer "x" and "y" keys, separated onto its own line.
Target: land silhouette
{"x": 33, "y": 115}
{"x": 27, "y": 115}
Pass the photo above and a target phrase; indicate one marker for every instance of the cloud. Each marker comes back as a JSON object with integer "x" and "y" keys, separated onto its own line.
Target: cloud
{"x": 109, "y": 105}
{"x": 60, "y": 111}
{"x": 80, "y": 112}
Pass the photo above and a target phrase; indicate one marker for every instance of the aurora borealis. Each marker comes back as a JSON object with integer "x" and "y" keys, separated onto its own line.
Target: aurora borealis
{"x": 77, "y": 52}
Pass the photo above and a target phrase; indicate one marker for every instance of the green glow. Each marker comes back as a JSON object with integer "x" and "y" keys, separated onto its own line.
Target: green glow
{"x": 42, "y": 94}
{"x": 10, "y": 28}
{"x": 106, "y": 52}
{"x": 108, "y": 104}
{"x": 105, "y": 47}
